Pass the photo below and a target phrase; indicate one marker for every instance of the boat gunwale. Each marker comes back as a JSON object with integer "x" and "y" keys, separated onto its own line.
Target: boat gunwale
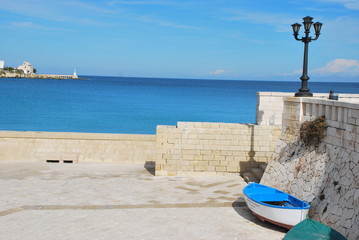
{"x": 307, "y": 205}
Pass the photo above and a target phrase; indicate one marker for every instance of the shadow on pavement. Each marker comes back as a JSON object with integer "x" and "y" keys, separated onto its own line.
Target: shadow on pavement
{"x": 241, "y": 208}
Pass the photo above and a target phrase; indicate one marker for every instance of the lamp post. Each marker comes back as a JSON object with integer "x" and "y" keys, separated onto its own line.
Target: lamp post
{"x": 307, "y": 22}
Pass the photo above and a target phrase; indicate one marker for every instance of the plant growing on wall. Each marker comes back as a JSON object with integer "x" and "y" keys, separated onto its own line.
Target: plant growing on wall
{"x": 312, "y": 132}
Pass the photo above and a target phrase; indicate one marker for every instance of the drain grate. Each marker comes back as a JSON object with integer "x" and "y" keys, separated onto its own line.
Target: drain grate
{"x": 59, "y": 161}
{"x": 52, "y": 161}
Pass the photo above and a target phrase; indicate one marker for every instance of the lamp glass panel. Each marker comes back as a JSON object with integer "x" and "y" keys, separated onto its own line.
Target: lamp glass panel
{"x": 307, "y": 23}
{"x": 317, "y": 27}
{"x": 296, "y": 27}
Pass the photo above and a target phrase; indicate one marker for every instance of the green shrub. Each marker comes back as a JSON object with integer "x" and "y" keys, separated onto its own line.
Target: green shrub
{"x": 312, "y": 132}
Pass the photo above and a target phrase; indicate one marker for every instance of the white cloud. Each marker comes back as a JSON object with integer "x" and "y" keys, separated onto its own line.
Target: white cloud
{"x": 350, "y": 4}
{"x": 59, "y": 11}
{"x": 344, "y": 27}
{"x": 164, "y": 23}
{"x": 341, "y": 67}
{"x": 218, "y": 72}
{"x": 31, "y": 25}
{"x": 279, "y": 21}
{"x": 337, "y": 67}
{"x": 141, "y": 2}
{"x": 25, "y": 25}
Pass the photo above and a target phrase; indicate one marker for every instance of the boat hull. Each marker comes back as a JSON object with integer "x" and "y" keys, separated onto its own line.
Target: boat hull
{"x": 284, "y": 216}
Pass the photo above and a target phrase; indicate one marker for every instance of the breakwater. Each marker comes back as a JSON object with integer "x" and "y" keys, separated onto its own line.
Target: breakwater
{"x": 39, "y": 76}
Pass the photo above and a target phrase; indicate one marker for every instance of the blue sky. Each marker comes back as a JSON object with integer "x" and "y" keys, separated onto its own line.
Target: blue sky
{"x": 205, "y": 39}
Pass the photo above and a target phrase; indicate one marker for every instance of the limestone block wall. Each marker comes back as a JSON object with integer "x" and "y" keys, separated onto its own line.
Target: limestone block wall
{"x": 76, "y": 147}
{"x": 328, "y": 176}
{"x": 199, "y": 148}
{"x": 270, "y": 107}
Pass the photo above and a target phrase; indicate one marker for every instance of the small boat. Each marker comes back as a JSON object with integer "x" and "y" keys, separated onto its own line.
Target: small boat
{"x": 274, "y": 206}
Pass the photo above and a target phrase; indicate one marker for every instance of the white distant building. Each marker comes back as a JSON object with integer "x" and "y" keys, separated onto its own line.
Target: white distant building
{"x": 26, "y": 67}
{"x": 2, "y": 62}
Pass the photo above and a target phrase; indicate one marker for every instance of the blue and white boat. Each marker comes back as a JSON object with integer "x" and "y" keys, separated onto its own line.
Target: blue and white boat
{"x": 274, "y": 206}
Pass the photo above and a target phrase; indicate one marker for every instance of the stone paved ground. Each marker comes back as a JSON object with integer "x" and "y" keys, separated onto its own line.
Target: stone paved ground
{"x": 124, "y": 201}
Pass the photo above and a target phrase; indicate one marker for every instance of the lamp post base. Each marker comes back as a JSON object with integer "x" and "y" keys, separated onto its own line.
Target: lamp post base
{"x": 304, "y": 94}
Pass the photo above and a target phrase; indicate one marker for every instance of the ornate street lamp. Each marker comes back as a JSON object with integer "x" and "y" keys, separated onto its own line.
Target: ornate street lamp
{"x": 307, "y": 22}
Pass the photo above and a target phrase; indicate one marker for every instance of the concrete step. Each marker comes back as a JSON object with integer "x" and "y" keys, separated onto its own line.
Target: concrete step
{"x": 258, "y": 172}
{"x": 250, "y": 177}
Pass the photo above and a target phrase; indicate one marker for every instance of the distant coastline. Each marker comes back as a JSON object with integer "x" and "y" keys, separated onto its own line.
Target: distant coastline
{"x": 26, "y": 70}
{"x": 39, "y": 76}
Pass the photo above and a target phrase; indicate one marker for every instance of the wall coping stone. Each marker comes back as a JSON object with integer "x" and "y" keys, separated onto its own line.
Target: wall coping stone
{"x": 75, "y": 135}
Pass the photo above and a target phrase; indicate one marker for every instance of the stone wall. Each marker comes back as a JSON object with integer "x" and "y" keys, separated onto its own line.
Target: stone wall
{"x": 212, "y": 148}
{"x": 327, "y": 176}
{"x": 76, "y": 147}
{"x": 270, "y": 105}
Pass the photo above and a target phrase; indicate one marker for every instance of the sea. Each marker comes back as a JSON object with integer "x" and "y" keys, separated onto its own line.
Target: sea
{"x": 130, "y": 105}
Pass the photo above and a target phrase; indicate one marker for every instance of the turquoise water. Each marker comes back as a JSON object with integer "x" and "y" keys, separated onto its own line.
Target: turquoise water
{"x": 134, "y": 105}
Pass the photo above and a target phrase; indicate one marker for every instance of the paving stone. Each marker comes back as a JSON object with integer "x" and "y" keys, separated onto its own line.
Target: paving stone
{"x": 122, "y": 201}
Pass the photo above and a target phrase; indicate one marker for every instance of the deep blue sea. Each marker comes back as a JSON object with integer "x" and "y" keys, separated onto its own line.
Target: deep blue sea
{"x": 134, "y": 105}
